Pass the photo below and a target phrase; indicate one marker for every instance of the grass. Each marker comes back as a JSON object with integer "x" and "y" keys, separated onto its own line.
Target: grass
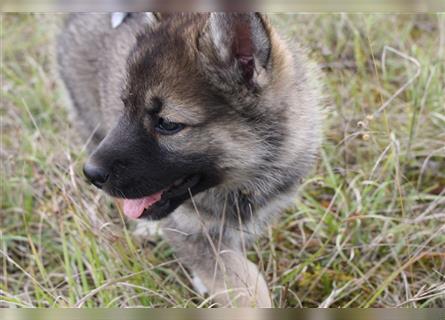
{"x": 368, "y": 229}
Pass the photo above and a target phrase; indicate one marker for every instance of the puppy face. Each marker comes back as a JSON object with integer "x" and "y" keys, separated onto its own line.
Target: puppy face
{"x": 191, "y": 119}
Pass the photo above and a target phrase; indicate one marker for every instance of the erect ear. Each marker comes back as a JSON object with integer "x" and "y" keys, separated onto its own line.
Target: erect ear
{"x": 241, "y": 39}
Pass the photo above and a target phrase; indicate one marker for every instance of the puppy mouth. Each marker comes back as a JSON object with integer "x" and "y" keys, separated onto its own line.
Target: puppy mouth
{"x": 161, "y": 200}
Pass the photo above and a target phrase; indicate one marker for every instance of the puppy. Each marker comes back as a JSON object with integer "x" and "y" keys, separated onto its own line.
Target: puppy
{"x": 205, "y": 122}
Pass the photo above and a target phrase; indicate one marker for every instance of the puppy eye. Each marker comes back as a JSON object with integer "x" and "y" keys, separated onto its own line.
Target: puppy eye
{"x": 166, "y": 127}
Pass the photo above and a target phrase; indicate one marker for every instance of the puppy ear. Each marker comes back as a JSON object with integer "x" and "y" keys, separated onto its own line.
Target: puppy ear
{"x": 240, "y": 39}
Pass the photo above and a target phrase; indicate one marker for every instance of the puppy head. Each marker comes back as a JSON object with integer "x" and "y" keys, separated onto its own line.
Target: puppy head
{"x": 193, "y": 115}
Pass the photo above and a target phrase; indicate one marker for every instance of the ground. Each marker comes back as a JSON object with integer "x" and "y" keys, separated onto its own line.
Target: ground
{"x": 367, "y": 230}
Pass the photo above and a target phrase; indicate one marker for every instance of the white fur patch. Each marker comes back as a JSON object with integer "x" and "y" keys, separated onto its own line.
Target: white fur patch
{"x": 117, "y": 18}
{"x": 147, "y": 229}
{"x": 199, "y": 285}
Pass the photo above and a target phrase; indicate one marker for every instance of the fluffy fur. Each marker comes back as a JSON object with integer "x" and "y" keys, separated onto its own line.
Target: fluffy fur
{"x": 251, "y": 103}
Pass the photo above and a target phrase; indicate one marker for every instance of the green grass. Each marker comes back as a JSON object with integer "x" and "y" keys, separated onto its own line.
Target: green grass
{"x": 368, "y": 229}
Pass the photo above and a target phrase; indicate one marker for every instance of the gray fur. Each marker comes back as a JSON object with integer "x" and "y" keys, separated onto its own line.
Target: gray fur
{"x": 265, "y": 160}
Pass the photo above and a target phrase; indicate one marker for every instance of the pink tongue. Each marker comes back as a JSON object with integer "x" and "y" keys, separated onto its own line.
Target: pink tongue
{"x": 133, "y": 208}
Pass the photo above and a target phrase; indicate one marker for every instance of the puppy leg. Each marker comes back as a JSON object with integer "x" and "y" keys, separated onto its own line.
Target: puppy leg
{"x": 235, "y": 281}
{"x": 231, "y": 279}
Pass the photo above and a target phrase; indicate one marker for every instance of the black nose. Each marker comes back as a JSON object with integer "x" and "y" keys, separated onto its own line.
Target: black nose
{"x": 96, "y": 174}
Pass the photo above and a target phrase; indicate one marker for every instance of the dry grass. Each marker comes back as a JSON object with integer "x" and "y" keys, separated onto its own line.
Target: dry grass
{"x": 368, "y": 229}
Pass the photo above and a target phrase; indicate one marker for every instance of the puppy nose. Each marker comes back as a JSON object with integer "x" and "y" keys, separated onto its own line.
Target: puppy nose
{"x": 96, "y": 174}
